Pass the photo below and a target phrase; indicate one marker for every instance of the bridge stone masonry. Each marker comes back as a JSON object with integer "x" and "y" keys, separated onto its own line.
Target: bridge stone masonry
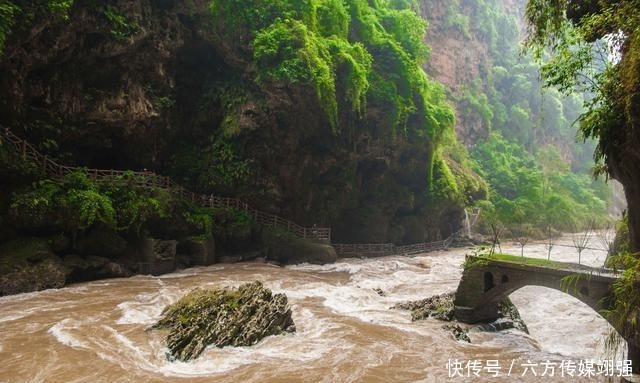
{"x": 487, "y": 282}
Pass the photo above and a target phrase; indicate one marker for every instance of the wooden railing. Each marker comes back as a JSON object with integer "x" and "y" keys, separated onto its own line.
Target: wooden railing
{"x": 151, "y": 180}
{"x": 382, "y": 249}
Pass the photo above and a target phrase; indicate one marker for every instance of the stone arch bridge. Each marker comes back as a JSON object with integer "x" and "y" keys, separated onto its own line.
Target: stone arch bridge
{"x": 488, "y": 282}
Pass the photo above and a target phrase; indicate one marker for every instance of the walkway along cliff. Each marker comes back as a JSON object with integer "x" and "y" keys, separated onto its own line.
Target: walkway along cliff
{"x": 146, "y": 179}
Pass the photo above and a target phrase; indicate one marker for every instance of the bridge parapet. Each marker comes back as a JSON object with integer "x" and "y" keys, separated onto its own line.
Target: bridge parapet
{"x": 486, "y": 282}
{"x": 484, "y": 285}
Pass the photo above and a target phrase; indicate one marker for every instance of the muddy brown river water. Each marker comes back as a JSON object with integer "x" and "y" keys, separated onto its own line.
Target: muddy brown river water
{"x": 95, "y": 332}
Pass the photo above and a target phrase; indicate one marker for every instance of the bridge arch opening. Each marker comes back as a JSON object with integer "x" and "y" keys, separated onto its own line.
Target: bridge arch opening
{"x": 563, "y": 324}
{"x": 488, "y": 281}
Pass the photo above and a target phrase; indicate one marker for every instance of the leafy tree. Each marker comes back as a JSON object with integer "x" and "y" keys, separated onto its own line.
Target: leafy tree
{"x": 568, "y": 38}
{"x": 538, "y": 190}
{"x": 135, "y": 207}
{"x": 74, "y": 204}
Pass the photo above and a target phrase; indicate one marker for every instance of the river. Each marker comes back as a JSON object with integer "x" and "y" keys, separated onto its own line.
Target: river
{"x": 95, "y": 332}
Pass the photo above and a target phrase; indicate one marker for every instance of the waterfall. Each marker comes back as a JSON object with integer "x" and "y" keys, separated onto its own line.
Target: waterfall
{"x": 467, "y": 223}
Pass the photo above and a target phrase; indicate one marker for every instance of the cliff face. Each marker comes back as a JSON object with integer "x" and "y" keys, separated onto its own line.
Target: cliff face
{"x": 457, "y": 59}
{"x": 461, "y": 54}
{"x": 133, "y": 85}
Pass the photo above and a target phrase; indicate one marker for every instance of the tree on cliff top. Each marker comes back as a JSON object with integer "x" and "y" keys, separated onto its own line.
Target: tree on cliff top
{"x": 593, "y": 46}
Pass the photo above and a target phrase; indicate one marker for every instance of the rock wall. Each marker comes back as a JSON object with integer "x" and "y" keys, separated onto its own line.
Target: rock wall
{"x": 461, "y": 58}
{"x": 143, "y": 85}
{"x": 456, "y": 60}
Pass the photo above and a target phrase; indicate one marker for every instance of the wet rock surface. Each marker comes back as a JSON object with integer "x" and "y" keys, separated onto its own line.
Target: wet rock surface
{"x": 224, "y": 317}
{"x": 48, "y": 274}
{"x": 441, "y": 307}
{"x": 438, "y": 306}
{"x": 509, "y": 313}
{"x": 459, "y": 333}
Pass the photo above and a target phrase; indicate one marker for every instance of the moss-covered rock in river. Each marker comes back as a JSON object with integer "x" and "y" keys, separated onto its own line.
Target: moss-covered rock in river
{"x": 441, "y": 307}
{"x": 437, "y": 306}
{"x": 224, "y": 317}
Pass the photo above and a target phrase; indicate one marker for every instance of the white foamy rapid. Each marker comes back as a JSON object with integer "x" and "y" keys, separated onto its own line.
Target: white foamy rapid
{"x": 346, "y": 331}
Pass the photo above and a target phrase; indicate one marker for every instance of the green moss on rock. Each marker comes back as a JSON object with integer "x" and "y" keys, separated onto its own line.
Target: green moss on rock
{"x": 438, "y": 306}
{"x": 224, "y": 317}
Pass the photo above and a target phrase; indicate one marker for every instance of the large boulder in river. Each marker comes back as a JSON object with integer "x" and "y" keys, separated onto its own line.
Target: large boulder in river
{"x": 224, "y": 317}
{"x": 437, "y": 306}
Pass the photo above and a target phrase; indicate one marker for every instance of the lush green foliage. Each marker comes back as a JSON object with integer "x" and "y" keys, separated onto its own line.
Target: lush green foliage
{"x": 568, "y": 40}
{"x": 625, "y": 313}
{"x": 224, "y": 169}
{"x": 121, "y": 27}
{"x": 232, "y": 223}
{"x": 621, "y": 244}
{"x": 135, "y": 207}
{"x": 524, "y": 119}
{"x": 457, "y": 20}
{"x": 11, "y": 13}
{"x": 366, "y": 52}
{"x": 7, "y": 17}
{"x": 538, "y": 189}
{"x": 454, "y": 181}
{"x": 76, "y": 203}
{"x": 201, "y": 220}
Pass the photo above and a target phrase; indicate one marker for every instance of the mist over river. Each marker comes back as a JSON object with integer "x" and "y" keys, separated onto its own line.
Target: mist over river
{"x": 95, "y": 332}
